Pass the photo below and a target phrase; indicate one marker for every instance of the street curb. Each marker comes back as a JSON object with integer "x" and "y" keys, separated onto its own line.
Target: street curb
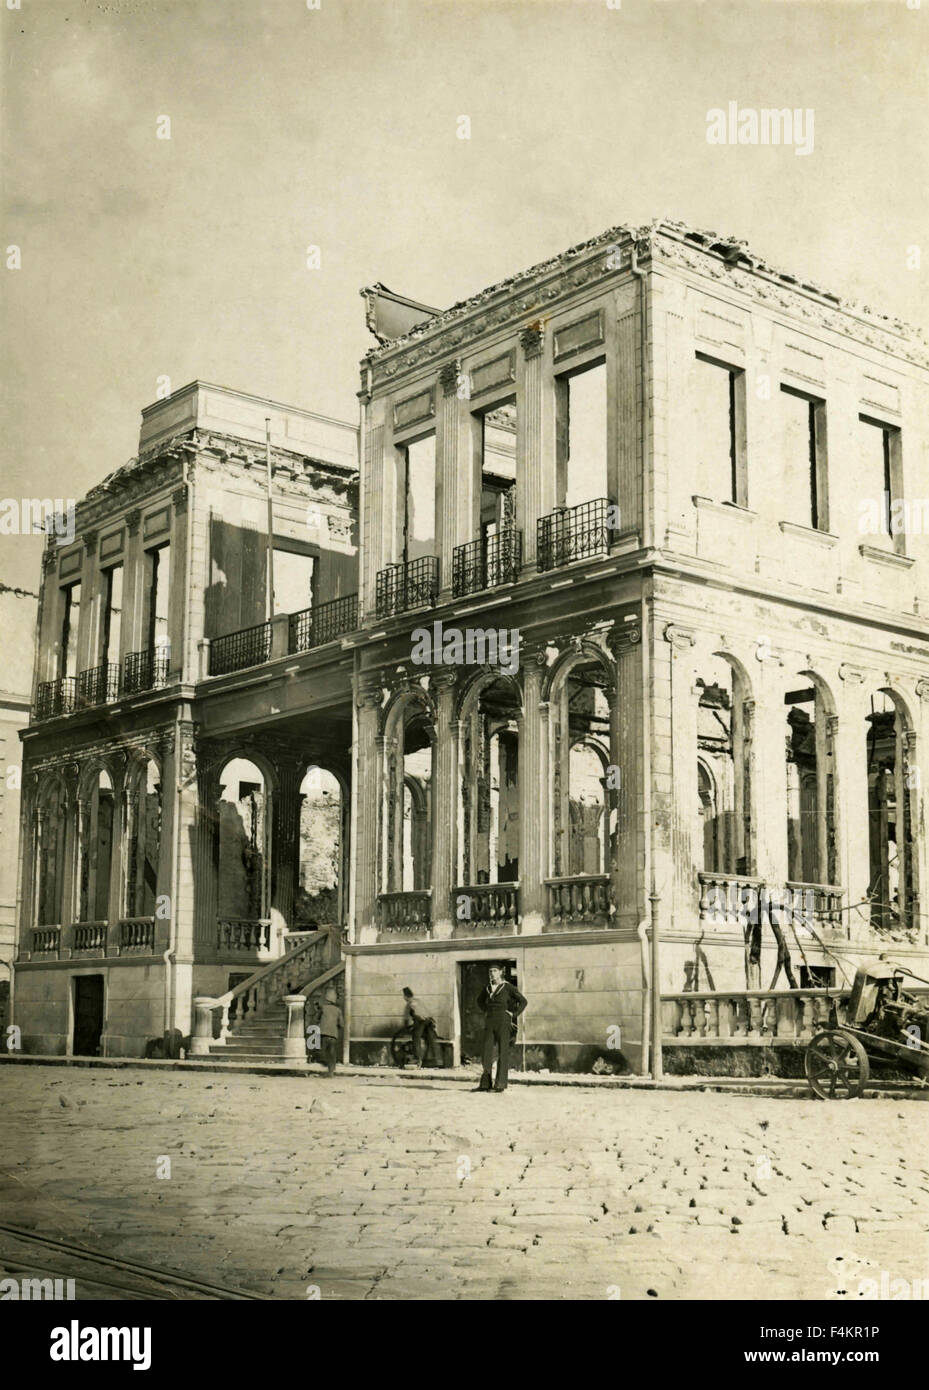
{"x": 777, "y": 1087}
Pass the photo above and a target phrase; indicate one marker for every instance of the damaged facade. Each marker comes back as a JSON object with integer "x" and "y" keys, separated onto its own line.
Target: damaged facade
{"x": 672, "y": 475}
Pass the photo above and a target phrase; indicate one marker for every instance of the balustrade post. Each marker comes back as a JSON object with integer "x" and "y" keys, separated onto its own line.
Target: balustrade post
{"x": 294, "y": 1044}
{"x": 203, "y": 1027}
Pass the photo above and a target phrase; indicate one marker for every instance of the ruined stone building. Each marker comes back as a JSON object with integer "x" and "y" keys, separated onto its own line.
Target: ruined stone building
{"x": 612, "y": 655}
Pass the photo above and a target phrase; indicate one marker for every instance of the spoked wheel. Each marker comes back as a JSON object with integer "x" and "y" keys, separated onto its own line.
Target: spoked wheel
{"x": 401, "y": 1047}
{"x": 836, "y": 1065}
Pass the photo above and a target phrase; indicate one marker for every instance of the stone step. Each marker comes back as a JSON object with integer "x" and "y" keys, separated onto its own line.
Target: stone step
{"x": 262, "y": 1049}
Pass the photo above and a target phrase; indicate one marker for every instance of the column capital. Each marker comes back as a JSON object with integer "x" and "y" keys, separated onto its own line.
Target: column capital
{"x": 531, "y": 340}
{"x": 179, "y": 498}
{"x": 850, "y": 674}
{"x": 681, "y": 638}
{"x": 450, "y": 377}
{"x": 922, "y": 688}
{"x": 623, "y": 639}
{"x": 90, "y": 541}
{"x": 133, "y": 519}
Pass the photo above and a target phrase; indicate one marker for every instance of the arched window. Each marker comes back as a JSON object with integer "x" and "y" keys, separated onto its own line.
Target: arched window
{"x": 97, "y": 821}
{"x": 318, "y": 895}
{"x": 892, "y": 780}
{"x": 584, "y": 796}
{"x": 408, "y": 748}
{"x": 489, "y": 785}
{"x": 145, "y": 813}
{"x": 243, "y": 841}
{"x": 811, "y": 847}
{"x": 51, "y": 826}
{"x": 723, "y": 769}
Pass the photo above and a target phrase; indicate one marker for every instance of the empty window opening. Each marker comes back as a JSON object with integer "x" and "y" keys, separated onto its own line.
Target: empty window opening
{"x": 720, "y": 444}
{"x": 581, "y": 436}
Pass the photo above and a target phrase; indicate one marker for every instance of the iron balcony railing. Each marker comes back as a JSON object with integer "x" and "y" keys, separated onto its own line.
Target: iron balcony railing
{"x": 314, "y": 626}
{"x": 145, "y": 671}
{"x": 236, "y": 650}
{"x": 404, "y": 586}
{"x": 573, "y": 533}
{"x": 56, "y": 697}
{"x": 485, "y": 563}
{"x": 99, "y": 685}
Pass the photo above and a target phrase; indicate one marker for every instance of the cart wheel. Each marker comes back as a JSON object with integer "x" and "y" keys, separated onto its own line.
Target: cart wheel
{"x": 836, "y": 1066}
{"x": 401, "y": 1047}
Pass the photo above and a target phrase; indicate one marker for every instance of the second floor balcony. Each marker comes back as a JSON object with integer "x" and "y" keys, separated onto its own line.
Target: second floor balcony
{"x": 313, "y": 627}
{"x": 145, "y": 670}
{"x": 404, "y": 586}
{"x": 574, "y": 533}
{"x": 236, "y": 651}
{"x": 486, "y": 563}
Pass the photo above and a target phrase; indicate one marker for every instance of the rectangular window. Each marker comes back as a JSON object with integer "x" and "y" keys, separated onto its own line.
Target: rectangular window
{"x": 880, "y": 477}
{"x": 498, "y": 469}
{"x": 418, "y": 519}
{"x": 720, "y": 443}
{"x": 158, "y": 570}
{"x": 293, "y": 581}
{"x": 581, "y": 436}
{"x": 112, "y": 614}
{"x": 804, "y": 496}
{"x": 70, "y": 621}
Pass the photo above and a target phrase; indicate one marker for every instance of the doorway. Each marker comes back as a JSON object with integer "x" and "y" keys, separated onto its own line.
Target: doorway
{"x": 473, "y": 975}
{"x": 88, "y": 1015}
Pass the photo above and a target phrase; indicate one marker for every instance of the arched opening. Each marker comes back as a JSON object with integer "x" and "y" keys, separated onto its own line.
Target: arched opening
{"x": 318, "y": 895}
{"x": 51, "y": 825}
{"x": 409, "y": 751}
{"x": 892, "y": 782}
{"x": 811, "y": 839}
{"x": 243, "y": 841}
{"x": 584, "y": 788}
{"x": 144, "y": 843}
{"x": 489, "y": 847}
{"x": 723, "y": 768}
{"x": 98, "y": 811}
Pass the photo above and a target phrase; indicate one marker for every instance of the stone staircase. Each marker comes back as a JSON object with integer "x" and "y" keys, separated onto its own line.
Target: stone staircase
{"x": 255, "y": 1015}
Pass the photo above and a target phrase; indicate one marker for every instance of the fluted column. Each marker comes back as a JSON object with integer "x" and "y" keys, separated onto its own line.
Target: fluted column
{"x": 534, "y": 491}
{"x": 628, "y": 867}
{"x": 444, "y": 804}
{"x": 683, "y": 773}
{"x": 284, "y": 844}
{"x": 449, "y": 466}
{"x": 365, "y": 868}
{"x": 533, "y": 779}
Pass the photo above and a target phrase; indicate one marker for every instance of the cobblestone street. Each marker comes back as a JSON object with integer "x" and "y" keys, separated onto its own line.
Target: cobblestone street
{"x": 398, "y": 1189}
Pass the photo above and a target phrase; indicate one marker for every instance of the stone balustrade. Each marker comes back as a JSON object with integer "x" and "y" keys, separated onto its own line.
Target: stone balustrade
{"x": 734, "y": 1016}
{"x": 89, "y": 936}
{"x": 46, "y": 940}
{"x": 243, "y": 934}
{"x": 485, "y": 908}
{"x": 137, "y": 934}
{"x": 409, "y": 912}
{"x": 583, "y": 900}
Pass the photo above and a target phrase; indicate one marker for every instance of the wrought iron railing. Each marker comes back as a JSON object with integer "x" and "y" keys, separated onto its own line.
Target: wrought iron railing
{"x": 56, "y": 697}
{"x": 235, "y": 650}
{"x": 405, "y": 586}
{"x": 99, "y": 685}
{"x": 314, "y": 626}
{"x": 145, "y": 671}
{"x": 485, "y": 563}
{"x": 243, "y": 934}
{"x": 573, "y": 533}
{"x": 137, "y": 933}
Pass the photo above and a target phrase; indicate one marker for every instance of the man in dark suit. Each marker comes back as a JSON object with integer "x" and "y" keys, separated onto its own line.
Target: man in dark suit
{"x": 502, "y": 1004}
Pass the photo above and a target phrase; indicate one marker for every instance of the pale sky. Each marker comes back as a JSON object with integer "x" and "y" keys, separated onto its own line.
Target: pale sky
{"x": 336, "y": 127}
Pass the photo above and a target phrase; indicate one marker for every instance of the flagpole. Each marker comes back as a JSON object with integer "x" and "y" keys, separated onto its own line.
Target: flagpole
{"x": 270, "y": 600}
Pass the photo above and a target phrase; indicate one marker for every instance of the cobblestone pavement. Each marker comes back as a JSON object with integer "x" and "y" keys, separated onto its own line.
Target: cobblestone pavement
{"x": 399, "y": 1189}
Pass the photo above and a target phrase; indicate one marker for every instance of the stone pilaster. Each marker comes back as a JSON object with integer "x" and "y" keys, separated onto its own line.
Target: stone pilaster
{"x": 444, "y": 804}
{"x": 368, "y": 801}
{"x": 628, "y": 867}
{"x": 535, "y": 489}
{"x": 683, "y": 900}
{"x": 533, "y": 779}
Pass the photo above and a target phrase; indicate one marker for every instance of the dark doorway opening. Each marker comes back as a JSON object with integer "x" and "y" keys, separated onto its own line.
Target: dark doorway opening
{"x": 473, "y": 976}
{"x": 88, "y": 1015}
